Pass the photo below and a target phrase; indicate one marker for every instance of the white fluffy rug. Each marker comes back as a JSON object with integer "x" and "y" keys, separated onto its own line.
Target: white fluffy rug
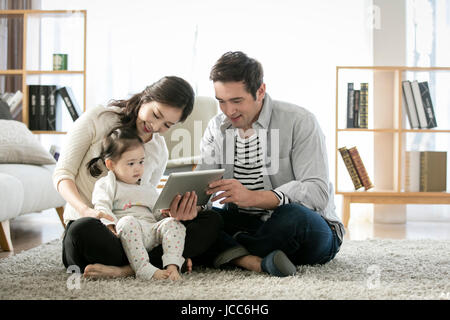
{"x": 369, "y": 269}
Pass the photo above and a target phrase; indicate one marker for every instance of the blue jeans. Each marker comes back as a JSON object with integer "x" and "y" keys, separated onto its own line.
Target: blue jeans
{"x": 302, "y": 234}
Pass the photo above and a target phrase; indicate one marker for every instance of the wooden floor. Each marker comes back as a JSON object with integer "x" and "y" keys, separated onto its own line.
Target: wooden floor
{"x": 31, "y": 230}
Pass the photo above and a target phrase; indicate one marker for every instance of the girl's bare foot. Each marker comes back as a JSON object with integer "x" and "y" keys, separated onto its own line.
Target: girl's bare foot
{"x": 101, "y": 271}
{"x": 161, "y": 274}
{"x": 173, "y": 272}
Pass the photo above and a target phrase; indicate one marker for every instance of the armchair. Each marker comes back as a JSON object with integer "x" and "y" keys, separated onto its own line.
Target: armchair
{"x": 183, "y": 140}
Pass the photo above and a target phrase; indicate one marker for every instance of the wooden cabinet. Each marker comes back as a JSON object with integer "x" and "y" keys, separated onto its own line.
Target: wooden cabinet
{"x": 44, "y": 33}
{"x": 383, "y": 145}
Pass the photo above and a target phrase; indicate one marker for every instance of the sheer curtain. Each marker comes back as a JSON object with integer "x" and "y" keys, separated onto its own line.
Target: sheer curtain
{"x": 428, "y": 31}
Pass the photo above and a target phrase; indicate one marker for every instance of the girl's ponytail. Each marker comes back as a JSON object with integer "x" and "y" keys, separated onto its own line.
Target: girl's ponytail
{"x": 94, "y": 168}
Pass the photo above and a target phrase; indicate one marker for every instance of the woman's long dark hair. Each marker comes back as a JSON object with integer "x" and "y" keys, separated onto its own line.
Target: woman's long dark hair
{"x": 173, "y": 91}
{"x": 114, "y": 144}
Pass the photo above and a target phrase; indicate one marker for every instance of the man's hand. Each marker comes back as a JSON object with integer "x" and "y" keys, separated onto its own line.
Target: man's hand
{"x": 233, "y": 191}
{"x": 183, "y": 207}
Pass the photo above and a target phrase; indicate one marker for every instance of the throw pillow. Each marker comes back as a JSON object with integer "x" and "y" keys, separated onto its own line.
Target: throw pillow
{"x": 19, "y": 145}
{"x": 5, "y": 113}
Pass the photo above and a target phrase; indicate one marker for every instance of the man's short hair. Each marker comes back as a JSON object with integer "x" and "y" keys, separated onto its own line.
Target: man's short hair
{"x": 237, "y": 66}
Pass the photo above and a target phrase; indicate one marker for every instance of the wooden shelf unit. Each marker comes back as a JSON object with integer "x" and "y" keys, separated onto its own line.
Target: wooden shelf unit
{"x": 397, "y": 131}
{"x": 25, "y": 73}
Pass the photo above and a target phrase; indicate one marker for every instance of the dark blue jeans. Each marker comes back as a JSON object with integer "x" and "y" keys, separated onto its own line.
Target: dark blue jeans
{"x": 302, "y": 234}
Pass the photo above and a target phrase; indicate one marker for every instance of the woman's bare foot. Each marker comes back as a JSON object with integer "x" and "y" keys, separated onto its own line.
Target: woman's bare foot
{"x": 101, "y": 271}
{"x": 161, "y": 274}
{"x": 173, "y": 272}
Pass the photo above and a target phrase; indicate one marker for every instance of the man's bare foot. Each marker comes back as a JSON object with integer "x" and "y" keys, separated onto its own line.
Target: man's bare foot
{"x": 188, "y": 265}
{"x": 249, "y": 262}
{"x": 101, "y": 271}
{"x": 173, "y": 272}
{"x": 161, "y": 274}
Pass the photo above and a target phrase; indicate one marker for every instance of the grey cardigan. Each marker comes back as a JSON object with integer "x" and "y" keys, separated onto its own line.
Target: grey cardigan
{"x": 295, "y": 155}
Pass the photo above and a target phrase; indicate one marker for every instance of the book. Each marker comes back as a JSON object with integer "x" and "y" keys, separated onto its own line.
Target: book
{"x": 350, "y": 114}
{"x": 410, "y": 105}
{"x": 350, "y": 167}
{"x": 6, "y": 96}
{"x": 42, "y": 107}
{"x": 55, "y": 151}
{"x": 419, "y": 105}
{"x": 364, "y": 105}
{"x": 71, "y": 103}
{"x": 5, "y": 114}
{"x": 360, "y": 168}
{"x": 427, "y": 104}
{"x": 433, "y": 171}
{"x": 33, "y": 98}
{"x": 14, "y": 101}
{"x": 412, "y": 171}
{"x": 356, "y": 99}
{"x": 51, "y": 108}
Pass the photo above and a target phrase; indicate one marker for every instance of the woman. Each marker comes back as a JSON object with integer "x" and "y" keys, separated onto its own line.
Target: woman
{"x": 88, "y": 243}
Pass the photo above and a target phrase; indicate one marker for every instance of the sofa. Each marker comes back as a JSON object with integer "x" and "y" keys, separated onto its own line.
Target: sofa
{"x": 25, "y": 178}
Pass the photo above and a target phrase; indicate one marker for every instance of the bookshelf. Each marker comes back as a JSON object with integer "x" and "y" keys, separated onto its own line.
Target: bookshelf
{"x": 46, "y": 32}
{"x": 384, "y": 143}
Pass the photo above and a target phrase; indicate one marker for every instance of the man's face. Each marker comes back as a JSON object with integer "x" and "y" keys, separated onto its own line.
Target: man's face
{"x": 237, "y": 104}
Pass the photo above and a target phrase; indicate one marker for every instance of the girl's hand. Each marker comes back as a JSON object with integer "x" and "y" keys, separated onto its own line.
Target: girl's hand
{"x": 183, "y": 207}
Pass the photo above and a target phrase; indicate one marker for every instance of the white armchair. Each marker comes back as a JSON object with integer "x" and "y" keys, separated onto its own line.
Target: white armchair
{"x": 183, "y": 140}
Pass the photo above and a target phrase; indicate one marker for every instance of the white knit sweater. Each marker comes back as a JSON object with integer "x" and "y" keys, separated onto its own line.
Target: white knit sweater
{"x": 83, "y": 142}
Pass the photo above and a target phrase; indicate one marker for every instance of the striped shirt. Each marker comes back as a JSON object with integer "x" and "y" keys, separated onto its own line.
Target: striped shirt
{"x": 248, "y": 170}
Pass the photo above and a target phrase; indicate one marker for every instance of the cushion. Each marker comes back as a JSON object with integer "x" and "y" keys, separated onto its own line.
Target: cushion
{"x": 5, "y": 113}
{"x": 19, "y": 145}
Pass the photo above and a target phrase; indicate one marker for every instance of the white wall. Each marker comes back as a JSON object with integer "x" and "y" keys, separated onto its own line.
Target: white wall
{"x": 133, "y": 43}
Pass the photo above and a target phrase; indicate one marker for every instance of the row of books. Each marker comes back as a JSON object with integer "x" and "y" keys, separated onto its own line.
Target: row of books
{"x": 356, "y": 168}
{"x": 357, "y": 105}
{"x": 425, "y": 171}
{"x": 45, "y": 108}
{"x": 13, "y": 100}
{"x": 419, "y": 107}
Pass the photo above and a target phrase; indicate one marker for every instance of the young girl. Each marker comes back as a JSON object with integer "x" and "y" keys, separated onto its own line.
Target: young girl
{"x": 121, "y": 195}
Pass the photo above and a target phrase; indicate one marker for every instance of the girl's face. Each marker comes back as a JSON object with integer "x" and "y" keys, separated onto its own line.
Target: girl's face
{"x": 130, "y": 166}
{"x": 156, "y": 117}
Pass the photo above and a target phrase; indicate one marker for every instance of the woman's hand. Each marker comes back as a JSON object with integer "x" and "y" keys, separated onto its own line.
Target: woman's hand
{"x": 112, "y": 228}
{"x": 89, "y": 212}
{"x": 184, "y": 207}
{"x": 232, "y": 191}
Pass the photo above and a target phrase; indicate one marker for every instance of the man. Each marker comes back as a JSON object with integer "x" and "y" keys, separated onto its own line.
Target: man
{"x": 278, "y": 202}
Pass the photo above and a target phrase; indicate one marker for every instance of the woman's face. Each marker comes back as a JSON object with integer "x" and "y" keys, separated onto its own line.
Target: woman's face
{"x": 156, "y": 117}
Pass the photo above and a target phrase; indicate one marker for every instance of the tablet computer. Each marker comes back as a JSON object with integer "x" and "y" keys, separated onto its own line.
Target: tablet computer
{"x": 182, "y": 182}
